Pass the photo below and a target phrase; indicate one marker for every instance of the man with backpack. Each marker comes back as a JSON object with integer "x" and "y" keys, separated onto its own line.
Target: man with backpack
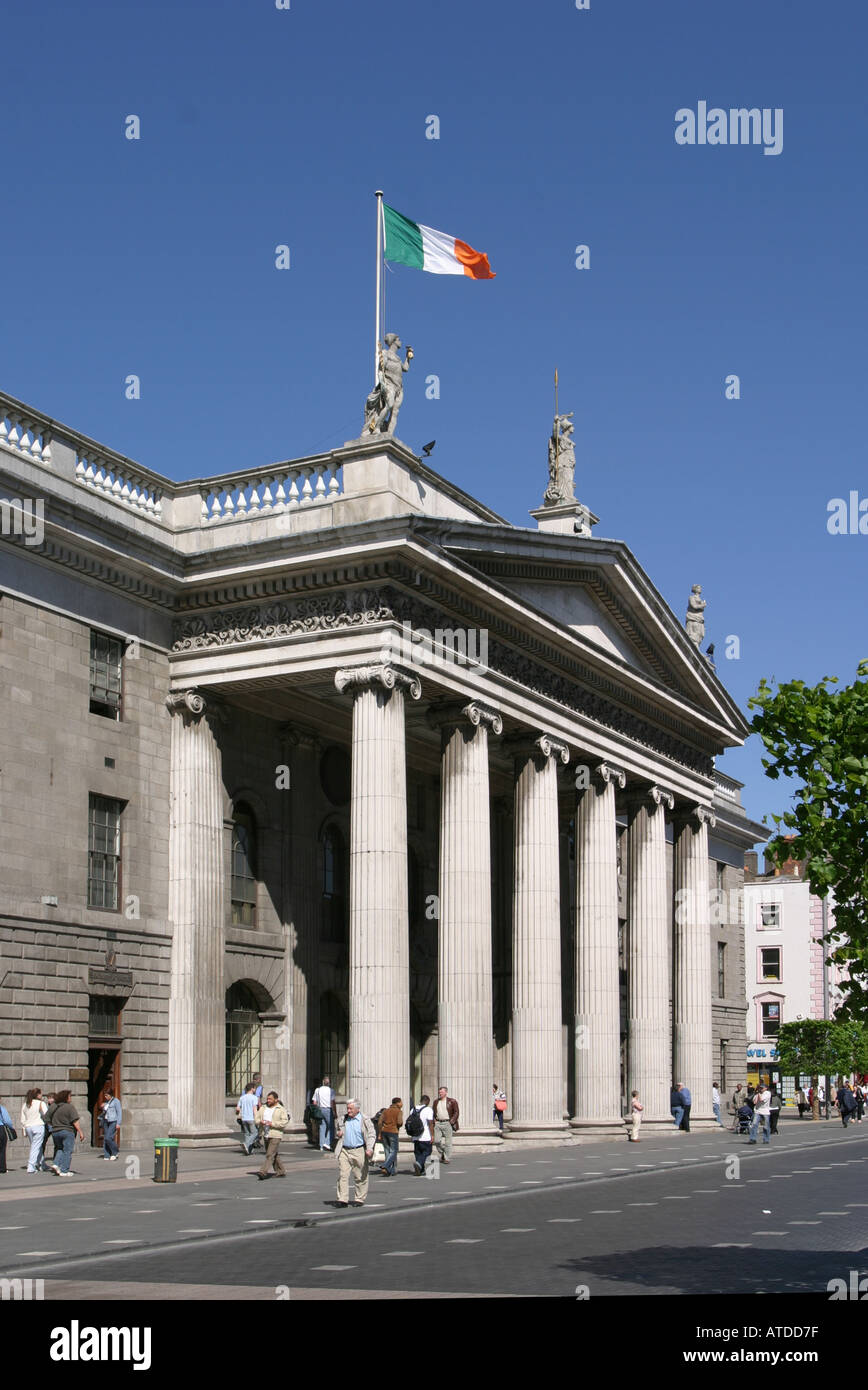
{"x": 420, "y": 1128}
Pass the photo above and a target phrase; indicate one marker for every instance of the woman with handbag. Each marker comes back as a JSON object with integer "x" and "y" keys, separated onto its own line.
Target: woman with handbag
{"x": 7, "y": 1134}
{"x": 33, "y": 1123}
{"x": 499, "y": 1099}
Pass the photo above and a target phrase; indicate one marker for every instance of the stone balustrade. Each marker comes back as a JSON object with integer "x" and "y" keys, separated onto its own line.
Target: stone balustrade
{"x": 25, "y": 435}
{"x": 114, "y": 478}
{"x": 282, "y": 488}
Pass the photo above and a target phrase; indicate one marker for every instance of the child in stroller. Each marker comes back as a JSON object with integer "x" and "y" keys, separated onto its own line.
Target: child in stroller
{"x": 745, "y": 1118}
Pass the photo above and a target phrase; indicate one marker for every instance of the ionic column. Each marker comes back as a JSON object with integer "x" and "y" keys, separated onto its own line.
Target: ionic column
{"x": 197, "y": 1004}
{"x": 598, "y": 996}
{"x": 465, "y": 959}
{"x": 537, "y": 1086}
{"x": 379, "y": 933}
{"x": 648, "y": 1050}
{"x": 304, "y": 907}
{"x": 691, "y": 1013}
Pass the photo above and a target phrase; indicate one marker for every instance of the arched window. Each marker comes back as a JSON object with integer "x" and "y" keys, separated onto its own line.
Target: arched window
{"x": 243, "y": 890}
{"x": 243, "y": 1037}
{"x": 334, "y": 1041}
{"x": 334, "y": 878}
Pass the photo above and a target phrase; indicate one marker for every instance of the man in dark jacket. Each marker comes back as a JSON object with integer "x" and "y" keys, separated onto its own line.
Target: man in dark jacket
{"x": 686, "y": 1102}
{"x": 445, "y": 1123}
{"x": 846, "y": 1103}
{"x": 676, "y": 1105}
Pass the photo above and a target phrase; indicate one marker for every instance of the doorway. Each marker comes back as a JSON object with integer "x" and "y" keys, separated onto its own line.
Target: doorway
{"x": 104, "y": 1066}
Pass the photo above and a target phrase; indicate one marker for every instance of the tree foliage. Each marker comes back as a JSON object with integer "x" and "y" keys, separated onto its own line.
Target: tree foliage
{"x": 819, "y": 736}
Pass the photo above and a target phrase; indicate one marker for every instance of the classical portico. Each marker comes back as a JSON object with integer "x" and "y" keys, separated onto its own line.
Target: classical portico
{"x": 440, "y": 787}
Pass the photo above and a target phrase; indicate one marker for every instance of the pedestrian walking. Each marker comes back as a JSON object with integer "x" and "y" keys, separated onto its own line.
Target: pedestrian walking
{"x": 391, "y": 1120}
{"x": 715, "y": 1102}
{"x": 499, "y": 1100}
{"x": 245, "y": 1112}
{"x": 801, "y": 1102}
{"x": 65, "y": 1128}
{"x": 420, "y": 1128}
{"x": 676, "y": 1105}
{"x": 8, "y": 1134}
{"x": 846, "y": 1103}
{"x": 33, "y": 1125}
{"x": 761, "y": 1114}
{"x": 274, "y": 1119}
{"x": 860, "y": 1103}
{"x": 445, "y": 1123}
{"x": 774, "y": 1109}
{"x": 354, "y": 1150}
{"x": 636, "y": 1108}
{"x": 323, "y": 1099}
{"x": 49, "y": 1101}
{"x": 112, "y": 1115}
{"x": 736, "y": 1101}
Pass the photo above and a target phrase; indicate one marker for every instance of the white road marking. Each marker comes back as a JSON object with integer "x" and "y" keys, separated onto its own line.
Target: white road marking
{"x": 39, "y": 1252}
{"x": 643, "y": 1204}
{"x": 803, "y": 1223}
{"x": 121, "y": 1242}
{"x": 464, "y": 1240}
{"x": 338, "y": 1268}
{"x": 388, "y": 1253}
{"x": 195, "y": 1230}
{"x": 563, "y": 1220}
{"x": 832, "y": 1213}
{"x": 770, "y": 1233}
{"x": 24, "y": 1228}
{"x": 676, "y": 1199}
{"x": 605, "y": 1211}
{"x": 516, "y": 1230}
{"x": 142, "y": 1211}
{"x": 263, "y": 1221}
{"x": 531, "y": 1182}
{"x": 69, "y": 1218}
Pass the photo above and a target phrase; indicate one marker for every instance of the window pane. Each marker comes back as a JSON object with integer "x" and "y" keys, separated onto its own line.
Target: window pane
{"x": 243, "y": 886}
{"x": 106, "y": 667}
{"x": 104, "y": 851}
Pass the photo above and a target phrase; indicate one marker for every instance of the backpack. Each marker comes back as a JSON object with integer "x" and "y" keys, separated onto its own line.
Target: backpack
{"x": 414, "y": 1126}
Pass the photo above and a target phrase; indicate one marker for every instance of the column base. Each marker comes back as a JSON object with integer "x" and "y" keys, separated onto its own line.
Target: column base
{"x": 585, "y": 1131}
{"x": 528, "y": 1132}
{"x": 204, "y": 1138}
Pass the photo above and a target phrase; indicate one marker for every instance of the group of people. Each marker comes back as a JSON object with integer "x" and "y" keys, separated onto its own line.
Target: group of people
{"x": 352, "y": 1140}
{"x": 55, "y": 1117}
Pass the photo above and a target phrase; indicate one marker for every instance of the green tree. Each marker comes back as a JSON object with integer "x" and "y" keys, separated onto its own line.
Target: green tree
{"x": 809, "y": 1047}
{"x": 820, "y": 737}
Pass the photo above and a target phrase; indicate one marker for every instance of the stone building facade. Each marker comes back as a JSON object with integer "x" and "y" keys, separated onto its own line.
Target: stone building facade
{"x": 325, "y": 766}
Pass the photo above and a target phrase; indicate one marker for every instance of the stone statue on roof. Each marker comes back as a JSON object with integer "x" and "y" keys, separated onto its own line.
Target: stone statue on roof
{"x": 695, "y": 622}
{"x": 562, "y": 463}
{"x": 384, "y": 402}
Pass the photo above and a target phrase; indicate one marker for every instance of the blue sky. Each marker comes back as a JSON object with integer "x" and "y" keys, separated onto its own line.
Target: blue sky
{"x": 262, "y": 127}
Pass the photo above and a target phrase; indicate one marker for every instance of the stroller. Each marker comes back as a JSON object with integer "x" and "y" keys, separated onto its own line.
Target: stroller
{"x": 745, "y": 1119}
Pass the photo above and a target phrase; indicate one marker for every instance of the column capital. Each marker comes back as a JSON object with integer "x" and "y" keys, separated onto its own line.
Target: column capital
{"x": 539, "y": 745}
{"x": 474, "y": 713}
{"x": 193, "y": 703}
{"x": 697, "y": 815}
{"x": 387, "y": 677}
{"x": 656, "y": 795}
{"x": 603, "y": 774}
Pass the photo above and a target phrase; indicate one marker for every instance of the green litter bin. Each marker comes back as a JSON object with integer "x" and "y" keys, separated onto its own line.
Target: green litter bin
{"x": 166, "y": 1160}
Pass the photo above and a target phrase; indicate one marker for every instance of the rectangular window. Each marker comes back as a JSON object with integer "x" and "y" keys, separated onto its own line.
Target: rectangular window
{"x": 104, "y": 852}
{"x": 771, "y": 1020}
{"x": 770, "y": 963}
{"x": 106, "y": 667}
{"x": 770, "y": 914}
{"x": 104, "y": 1016}
{"x": 721, "y": 969}
{"x": 720, "y": 870}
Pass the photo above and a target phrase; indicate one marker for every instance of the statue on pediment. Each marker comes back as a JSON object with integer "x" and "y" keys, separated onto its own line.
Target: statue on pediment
{"x": 562, "y": 463}
{"x": 695, "y": 622}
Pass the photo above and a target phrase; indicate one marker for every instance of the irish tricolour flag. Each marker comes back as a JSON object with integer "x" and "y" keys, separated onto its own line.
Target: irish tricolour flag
{"x": 409, "y": 243}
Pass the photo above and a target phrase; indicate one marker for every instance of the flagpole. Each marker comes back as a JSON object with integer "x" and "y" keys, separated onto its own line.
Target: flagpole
{"x": 379, "y": 196}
